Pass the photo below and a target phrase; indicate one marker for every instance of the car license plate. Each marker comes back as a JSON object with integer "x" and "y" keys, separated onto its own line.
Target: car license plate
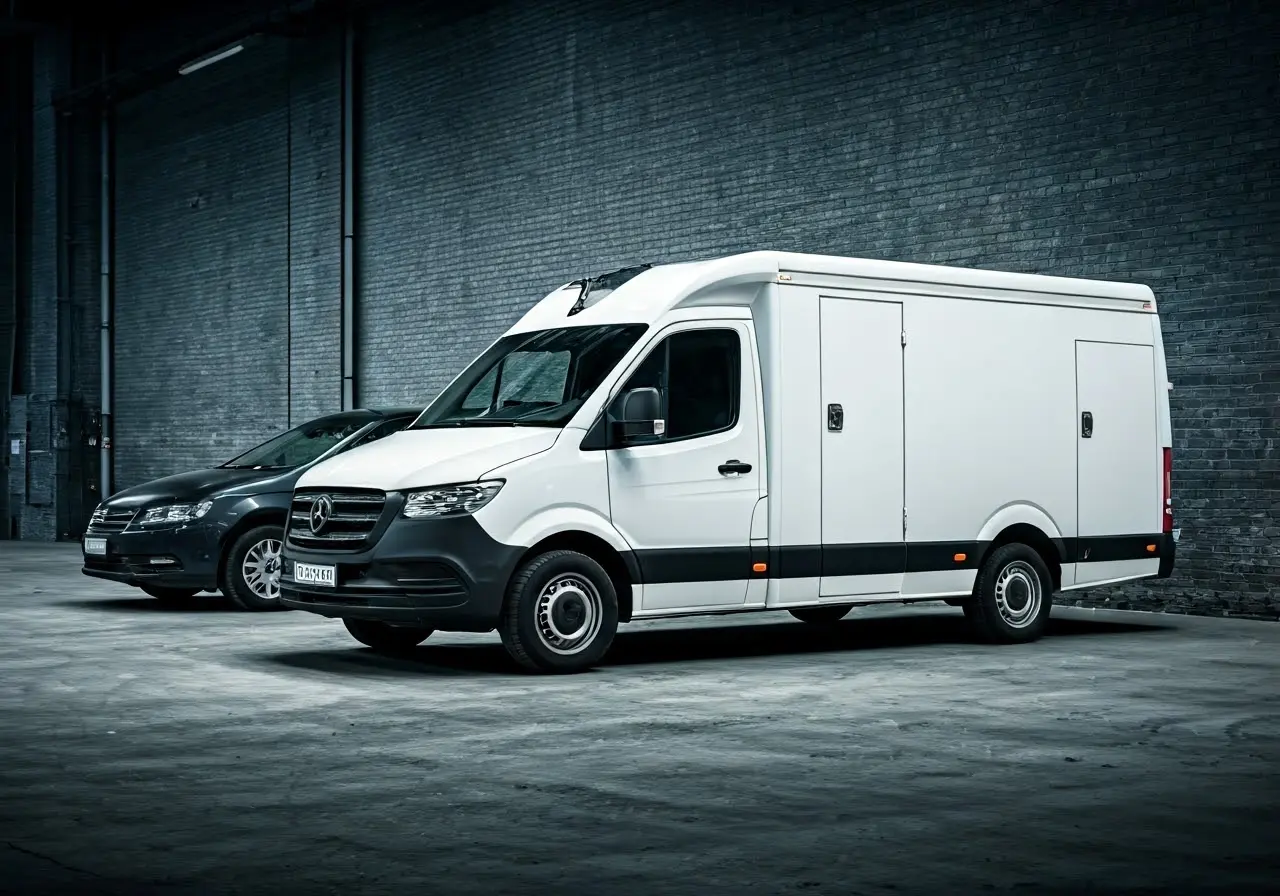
{"x": 95, "y": 546}
{"x": 311, "y": 574}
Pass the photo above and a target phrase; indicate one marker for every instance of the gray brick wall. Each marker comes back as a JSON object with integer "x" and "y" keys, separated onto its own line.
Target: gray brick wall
{"x": 201, "y": 318}
{"x": 228, "y": 268}
{"x": 315, "y": 178}
{"x": 507, "y": 151}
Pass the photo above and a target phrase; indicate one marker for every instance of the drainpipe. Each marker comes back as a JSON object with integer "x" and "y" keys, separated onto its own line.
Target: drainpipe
{"x": 104, "y": 297}
{"x": 348, "y": 214}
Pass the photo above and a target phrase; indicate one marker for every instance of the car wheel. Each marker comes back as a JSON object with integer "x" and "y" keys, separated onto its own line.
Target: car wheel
{"x": 170, "y": 595}
{"x": 251, "y": 569}
{"x": 384, "y": 638}
{"x": 561, "y": 613}
{"x": 821, "y": 615}
{"x": 1011, "y": 597}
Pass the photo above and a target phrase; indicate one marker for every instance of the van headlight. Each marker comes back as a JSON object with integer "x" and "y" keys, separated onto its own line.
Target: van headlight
{"x": 450, "y": 500}
{"x": 173, "y": 514}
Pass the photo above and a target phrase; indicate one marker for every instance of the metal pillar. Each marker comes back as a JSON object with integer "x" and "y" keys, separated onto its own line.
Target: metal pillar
{"x": 105, "y": 342}
{"x": 348, "y": 214}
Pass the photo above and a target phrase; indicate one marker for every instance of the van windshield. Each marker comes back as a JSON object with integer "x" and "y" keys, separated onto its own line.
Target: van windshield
{"x": 532, "y": 379}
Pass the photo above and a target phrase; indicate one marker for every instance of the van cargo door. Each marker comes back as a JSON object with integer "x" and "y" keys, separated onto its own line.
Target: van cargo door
{"x": 1118, "y": 456}
{"x": 863, "y": 544}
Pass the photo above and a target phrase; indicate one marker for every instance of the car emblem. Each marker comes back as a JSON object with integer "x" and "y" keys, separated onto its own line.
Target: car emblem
{"x": 321, "y": 510}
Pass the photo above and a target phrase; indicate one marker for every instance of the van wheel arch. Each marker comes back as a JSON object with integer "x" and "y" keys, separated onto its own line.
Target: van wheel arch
{"x": 1034, "y": 538}
{"x": 265, "y": 517}
{"x": 598, "y": 550}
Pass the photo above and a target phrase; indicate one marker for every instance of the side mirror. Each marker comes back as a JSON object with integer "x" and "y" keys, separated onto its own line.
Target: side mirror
{"x": 636, "y": 418}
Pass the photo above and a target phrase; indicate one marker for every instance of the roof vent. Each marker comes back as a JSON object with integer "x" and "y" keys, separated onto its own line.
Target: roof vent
{"x": 597, "y": 288}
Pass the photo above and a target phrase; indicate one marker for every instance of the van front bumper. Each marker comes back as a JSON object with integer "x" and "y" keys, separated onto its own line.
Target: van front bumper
{"x": 445, "y": 574}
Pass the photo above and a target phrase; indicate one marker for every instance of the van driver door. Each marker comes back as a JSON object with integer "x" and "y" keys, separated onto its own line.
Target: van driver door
{"x": 684, "y": 501}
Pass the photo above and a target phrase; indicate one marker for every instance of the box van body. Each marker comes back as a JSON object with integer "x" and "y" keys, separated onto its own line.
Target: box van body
{"x": 764, "y": 431}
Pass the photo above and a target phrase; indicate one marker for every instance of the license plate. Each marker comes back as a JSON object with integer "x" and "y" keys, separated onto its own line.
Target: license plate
{"x": 95, "y": 546}
{"x": 311, "y": 574}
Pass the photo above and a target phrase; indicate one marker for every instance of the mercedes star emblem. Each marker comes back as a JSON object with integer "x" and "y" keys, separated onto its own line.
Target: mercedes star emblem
{"x": 321, "y": 510}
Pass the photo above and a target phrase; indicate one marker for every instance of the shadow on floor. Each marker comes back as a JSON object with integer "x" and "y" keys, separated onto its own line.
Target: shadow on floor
{"x": 201, "y": 603}
{"x": 633, "y": 648}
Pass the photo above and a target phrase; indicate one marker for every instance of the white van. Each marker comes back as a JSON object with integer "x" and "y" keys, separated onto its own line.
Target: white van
{"x": 765, "y": 431}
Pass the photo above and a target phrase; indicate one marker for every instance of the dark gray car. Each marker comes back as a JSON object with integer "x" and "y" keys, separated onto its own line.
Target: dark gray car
{"x": 221, "y": 528}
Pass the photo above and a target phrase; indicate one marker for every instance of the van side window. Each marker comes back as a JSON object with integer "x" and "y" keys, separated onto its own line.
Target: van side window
{"x": 697, "y": 372}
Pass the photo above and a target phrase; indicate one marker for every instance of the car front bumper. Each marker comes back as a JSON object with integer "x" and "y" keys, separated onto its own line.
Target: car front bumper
{"x": 446, "y": 574}
{"x": 182, "y": 557}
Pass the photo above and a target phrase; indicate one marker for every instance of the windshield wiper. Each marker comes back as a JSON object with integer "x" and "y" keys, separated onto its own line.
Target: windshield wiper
{"x": 471, "y": 421}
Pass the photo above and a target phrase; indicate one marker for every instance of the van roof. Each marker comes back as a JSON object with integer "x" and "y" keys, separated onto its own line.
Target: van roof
{"x": 646, "y": 296}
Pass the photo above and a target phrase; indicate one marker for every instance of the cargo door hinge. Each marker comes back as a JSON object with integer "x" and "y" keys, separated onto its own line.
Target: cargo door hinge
{"x": 904, "y": 338}
{"x": 904, "y": 521}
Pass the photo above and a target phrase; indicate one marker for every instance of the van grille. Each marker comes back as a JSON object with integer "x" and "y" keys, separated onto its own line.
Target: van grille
{"x": 354, "y": 517}
{"x": 106, "y": 521}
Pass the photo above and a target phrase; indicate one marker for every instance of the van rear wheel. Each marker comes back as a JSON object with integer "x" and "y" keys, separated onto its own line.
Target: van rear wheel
{"x": 1012, "y": 596}
{"x": 561, "y": 613}
{"x": 821, "y": 615}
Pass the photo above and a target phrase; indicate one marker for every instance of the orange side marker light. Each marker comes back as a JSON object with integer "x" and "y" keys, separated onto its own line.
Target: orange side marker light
{"x": 1151, "y": 549}
{"x": 960, "y": 558}
{"x": 759, "y": 567}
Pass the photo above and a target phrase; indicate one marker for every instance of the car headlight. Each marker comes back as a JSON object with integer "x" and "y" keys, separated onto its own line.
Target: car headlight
{"x": 450, "y": 500}
{"x": 173, "y": 514}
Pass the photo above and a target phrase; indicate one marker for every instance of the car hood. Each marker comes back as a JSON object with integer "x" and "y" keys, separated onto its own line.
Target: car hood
{"x": 414, "y": 458}
{"x": 196, "y": 485}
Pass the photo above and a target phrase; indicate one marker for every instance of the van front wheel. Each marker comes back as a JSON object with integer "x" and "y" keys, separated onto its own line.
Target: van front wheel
{"x": 561, "y": 613}
{"x": 1012, "y": 596}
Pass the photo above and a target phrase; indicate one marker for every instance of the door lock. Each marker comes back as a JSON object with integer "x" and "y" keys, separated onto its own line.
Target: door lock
{"x": 1086, "y": 425}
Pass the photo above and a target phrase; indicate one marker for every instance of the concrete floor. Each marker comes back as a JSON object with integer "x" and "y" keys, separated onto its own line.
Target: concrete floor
{"x": 150, "y": 751}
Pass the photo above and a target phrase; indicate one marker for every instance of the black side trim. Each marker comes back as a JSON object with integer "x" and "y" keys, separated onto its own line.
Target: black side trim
{"x": 810, "y": 561}
{"x": 694, "y": 565}
{"x": 800, "y": 561}
{"x": 1110, "y": 548}
{"x": 935, "y": 556}
{"x": 862, "y": 559}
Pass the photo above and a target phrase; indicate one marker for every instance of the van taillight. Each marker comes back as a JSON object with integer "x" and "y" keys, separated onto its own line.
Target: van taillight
{"x": 1168, "y": 490}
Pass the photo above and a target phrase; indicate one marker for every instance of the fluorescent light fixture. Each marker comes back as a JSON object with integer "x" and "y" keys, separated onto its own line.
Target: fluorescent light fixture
{"x": 216, "y": 56}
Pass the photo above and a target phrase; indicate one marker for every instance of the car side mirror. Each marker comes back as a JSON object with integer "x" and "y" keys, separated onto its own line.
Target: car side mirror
{"x": 637, "y": 417}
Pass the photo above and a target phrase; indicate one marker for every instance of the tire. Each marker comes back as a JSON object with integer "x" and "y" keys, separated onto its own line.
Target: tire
{"x": 384, "y": 638}
{"x": 554, "y": 595}
{"x": 821, "y": 615}
{"x": 1012, "y": 596}
{"x": 170, "y": 595}
{"x": 258, "y": 549}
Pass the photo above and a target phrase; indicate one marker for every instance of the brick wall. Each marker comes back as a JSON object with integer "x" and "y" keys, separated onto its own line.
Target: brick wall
{"x": 509, "y": 150}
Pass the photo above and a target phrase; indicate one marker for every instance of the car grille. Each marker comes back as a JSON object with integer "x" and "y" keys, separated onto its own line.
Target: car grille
{"x": 107, "y": 521}
{"x": 355, "y": 515}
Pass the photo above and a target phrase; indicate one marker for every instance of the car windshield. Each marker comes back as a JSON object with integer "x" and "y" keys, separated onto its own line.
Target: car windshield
{"x": 532, "y": 379}
{"x": 302, "y": 444}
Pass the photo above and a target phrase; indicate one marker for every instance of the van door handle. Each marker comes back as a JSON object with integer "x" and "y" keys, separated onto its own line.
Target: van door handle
{"x": 734, "y": 466}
